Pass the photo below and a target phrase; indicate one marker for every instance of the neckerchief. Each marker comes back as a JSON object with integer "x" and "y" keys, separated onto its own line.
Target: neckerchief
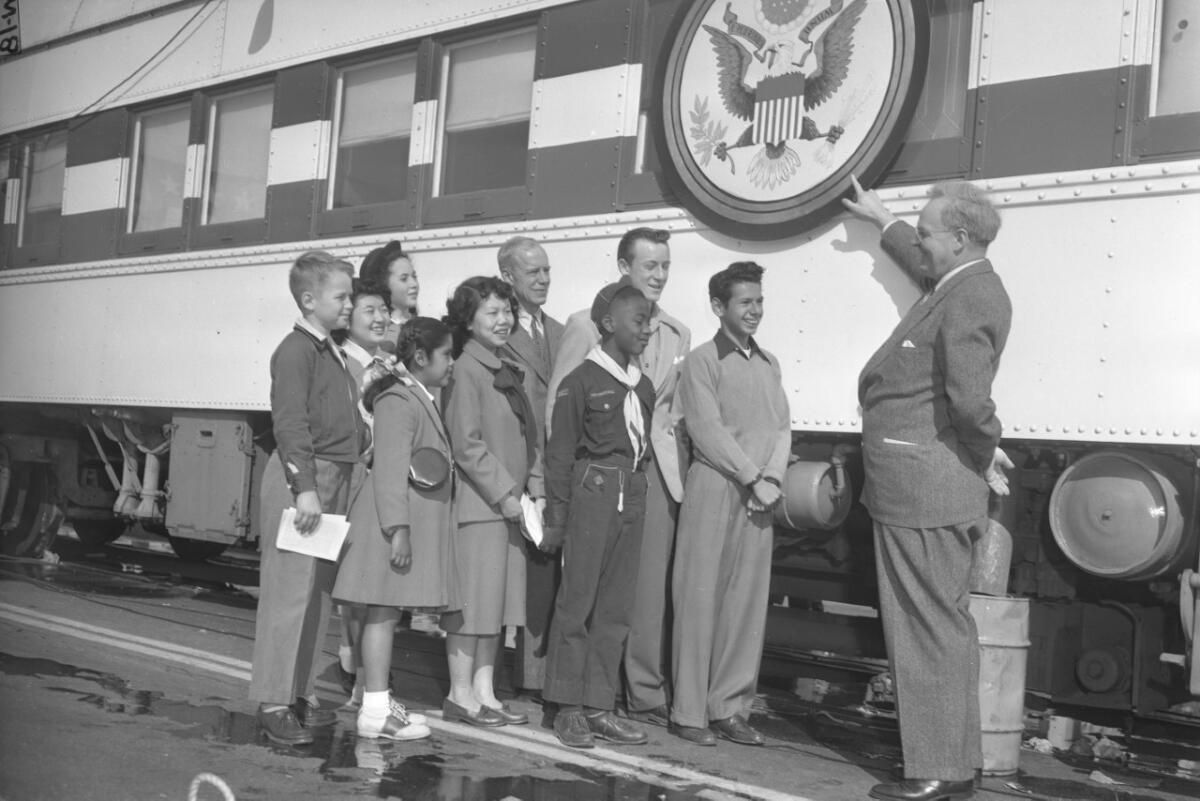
{"x": 635, "y": 424}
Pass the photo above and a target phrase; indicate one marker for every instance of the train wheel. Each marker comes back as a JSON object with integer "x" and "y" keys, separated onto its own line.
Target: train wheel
{"x": 29, "y": 488}
{"x": 98, "y": 532}
{"x": 195, "y": 550}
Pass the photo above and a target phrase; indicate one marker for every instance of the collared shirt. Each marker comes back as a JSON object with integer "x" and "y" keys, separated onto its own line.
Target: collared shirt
{"x": 952, "y": 273}
{"x": 526, "y": 320}
{"x": 357, "y": 352}
{"x": 726, "y": 345}
{"x": 305, "y": 325}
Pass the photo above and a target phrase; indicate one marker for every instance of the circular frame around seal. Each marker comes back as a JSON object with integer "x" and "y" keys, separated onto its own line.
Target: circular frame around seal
{"x": 769, "y": 106}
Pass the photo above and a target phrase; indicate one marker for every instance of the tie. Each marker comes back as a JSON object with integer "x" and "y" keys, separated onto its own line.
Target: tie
{"x": 539, "y": 343}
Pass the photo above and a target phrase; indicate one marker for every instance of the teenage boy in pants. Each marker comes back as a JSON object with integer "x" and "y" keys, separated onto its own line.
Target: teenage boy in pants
{"x": 736, "y": 413}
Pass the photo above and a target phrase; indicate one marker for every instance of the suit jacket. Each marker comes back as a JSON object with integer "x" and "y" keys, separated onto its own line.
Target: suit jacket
{"x": 487, "y": 440}
{"x": 520, "y": 350}
{"x": 670, "y": 341}
{"x": 929, "y": 422}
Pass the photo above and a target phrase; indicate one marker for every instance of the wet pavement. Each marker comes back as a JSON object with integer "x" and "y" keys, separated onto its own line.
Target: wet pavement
{"x": 128, "y": 682}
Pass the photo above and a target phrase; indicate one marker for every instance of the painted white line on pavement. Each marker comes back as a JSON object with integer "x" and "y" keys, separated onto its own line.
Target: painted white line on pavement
{"x": 526, "y": 740}
{"x": 137, "y": 648}
{"x": 120, "y": 635}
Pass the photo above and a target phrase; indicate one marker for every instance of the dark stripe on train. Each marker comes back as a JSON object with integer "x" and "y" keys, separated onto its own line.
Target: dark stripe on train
{"x": 98, "y": 137}
{"x": 583, "y": 36}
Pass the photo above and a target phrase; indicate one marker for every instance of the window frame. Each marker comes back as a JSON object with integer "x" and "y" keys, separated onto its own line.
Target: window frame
{"x": 162, "y": 240}
{"x": 43, "y": 253}
{"x": 9, "y": 147}
{"x": 925, "y": 161}
{"x": 233, "y": 233}
{"x": 505, "y": 203}
{"x": 648, "y": 188}
{"x": 1166, "y": 137}
{"x": 399, "y": 214}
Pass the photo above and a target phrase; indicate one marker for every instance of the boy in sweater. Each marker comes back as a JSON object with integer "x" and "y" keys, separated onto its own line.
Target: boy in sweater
{"x": 736, "y": 413}
{"x": 319, "y": 437}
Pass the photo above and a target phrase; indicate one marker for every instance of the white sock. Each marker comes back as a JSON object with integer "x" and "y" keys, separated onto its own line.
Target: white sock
{"x": 376, "y": 705}
{"x": 346, "y": 657}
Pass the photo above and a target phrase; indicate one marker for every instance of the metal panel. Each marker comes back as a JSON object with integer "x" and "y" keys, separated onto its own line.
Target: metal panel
{"x": 1104, "y": 346}
{"x": 1033, "y": 38}
{"x": 91, "y": 235}
{"x": 211, "y": 460}
{"x": 290, "y": 210}
{"x": 1069, "y": 122}
{"x": 98, "y": 137}
{"x": 301, "y": 95}
{"x": 580, "y": 178}
{"x": 584, "y": 36}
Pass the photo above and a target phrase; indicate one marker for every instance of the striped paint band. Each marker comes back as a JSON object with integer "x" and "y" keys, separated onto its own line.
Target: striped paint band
{"x": 97, "y": 186}
{"x": 586, "y": 106}
{"x": 12, "y": 200}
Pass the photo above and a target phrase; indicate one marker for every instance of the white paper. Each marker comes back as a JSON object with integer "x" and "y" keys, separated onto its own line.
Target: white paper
{"x": 531, "y": 524}
{"x": 323, "y": 543}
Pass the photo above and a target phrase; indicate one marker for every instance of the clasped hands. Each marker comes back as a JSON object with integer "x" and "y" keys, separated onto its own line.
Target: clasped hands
{"x": 764, "y": 496}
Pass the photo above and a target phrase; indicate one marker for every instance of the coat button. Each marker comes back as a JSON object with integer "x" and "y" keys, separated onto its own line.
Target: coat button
{"x": 597, "y": 480}
{"x": 606, "y": 407}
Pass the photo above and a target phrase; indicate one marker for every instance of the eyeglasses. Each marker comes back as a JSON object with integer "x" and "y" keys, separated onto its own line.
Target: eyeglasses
{"x": 923, "y": 234}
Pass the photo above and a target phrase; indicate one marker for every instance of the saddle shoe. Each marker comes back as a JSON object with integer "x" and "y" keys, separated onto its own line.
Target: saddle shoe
{"x": 390, "y": 727}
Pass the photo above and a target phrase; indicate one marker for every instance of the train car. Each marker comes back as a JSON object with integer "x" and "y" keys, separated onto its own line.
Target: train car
{"x": 165, "y": 161}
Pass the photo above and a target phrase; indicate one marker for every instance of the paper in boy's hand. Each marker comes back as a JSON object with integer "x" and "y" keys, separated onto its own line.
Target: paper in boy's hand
{"x": 325, "y": 542}
{"x": 531, "y": 522}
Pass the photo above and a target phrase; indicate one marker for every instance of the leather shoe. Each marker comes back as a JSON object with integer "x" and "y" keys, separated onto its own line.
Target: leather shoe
{"x": 484, "y": 718}
{"x": 924, "y": 790}
{"x": 280, "y": 726}
{"x": 572, "y": 729}
{"x": 658, "y": 716}
{"x": 737, "y": 730}
{"x": 693, "y": 734}
{"x": 509, "y": 716}
{"x": 313, "y": 717}
{"x": 608, "y": 726}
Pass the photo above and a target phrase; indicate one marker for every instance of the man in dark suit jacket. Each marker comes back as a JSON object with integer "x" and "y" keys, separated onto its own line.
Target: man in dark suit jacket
{"x": 930, "y": 450}
{"x": 533, "y": 345}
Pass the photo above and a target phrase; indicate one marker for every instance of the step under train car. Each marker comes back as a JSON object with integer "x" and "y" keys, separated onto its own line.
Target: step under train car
{"x": 165, "y": 161}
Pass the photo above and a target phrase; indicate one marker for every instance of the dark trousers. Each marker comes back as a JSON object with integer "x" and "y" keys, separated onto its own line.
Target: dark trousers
{"x": 595, "y": 600}
{"x": 293, "y": 600}
{"x": 543, "y": 573}
{"x": 932, "y": 646}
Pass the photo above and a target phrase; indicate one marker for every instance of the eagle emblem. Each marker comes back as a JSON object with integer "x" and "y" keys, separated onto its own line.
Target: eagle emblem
{"x": 762, "y": 81}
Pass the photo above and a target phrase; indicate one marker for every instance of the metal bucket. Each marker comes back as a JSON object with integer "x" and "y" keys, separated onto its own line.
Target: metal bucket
{"x": 1003, "y": 626}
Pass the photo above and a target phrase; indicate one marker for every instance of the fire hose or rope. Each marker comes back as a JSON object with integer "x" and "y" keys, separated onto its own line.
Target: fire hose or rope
{"x": 213, "y": 779}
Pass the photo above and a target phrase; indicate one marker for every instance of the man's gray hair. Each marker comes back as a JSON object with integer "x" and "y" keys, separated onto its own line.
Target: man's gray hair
{"x": 968, "y": 208}
{"x": 509, "y": 256}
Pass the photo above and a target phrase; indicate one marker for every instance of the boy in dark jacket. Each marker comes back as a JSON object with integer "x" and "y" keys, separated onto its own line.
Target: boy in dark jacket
{"x": 595, "y": 495}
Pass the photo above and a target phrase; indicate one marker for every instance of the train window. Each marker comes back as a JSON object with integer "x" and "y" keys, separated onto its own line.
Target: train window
{"x": 374, "y": 129}
{"x": 239, "y": 134}
{"x": 160, "y": 144}
{"x": 1176, "y": 90}
{"x": 937, "y": 143}
{"x": 487, "y": 94}
{"x": 1168, "y": 119}
{"x": 45, "y": 167}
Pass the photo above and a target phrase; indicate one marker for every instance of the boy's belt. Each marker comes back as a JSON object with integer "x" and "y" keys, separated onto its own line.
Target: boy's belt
{"x": 617, "y": 460}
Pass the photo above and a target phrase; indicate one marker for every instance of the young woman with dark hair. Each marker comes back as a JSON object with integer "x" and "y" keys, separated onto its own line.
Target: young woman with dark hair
{"x": 493, "y": 435}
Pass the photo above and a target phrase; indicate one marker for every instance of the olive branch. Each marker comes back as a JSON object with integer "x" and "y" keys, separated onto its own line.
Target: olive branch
{"x": 709, "y": 136}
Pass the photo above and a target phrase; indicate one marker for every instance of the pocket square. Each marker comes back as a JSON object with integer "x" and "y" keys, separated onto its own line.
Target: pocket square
{"x": 907, "y": 344}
